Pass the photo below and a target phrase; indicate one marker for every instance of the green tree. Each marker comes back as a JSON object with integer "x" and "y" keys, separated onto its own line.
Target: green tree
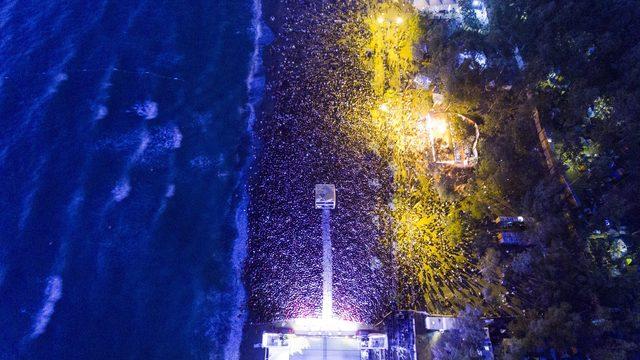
{"x": 463, "y": 343}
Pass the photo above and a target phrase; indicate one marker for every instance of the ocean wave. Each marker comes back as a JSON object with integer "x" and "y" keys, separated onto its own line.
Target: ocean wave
{"x": 99, "y": 107}
{"x": 27, "y": 205}
{"x": 121, "y": 190}
{"x": 139, "y": 139}
{"x": 151, "y": 145}
{"x": 147, "y": 110}
{"x": 145, "y": 139}
{"x": 23, "y": 43}
{"x": 166, "y": 138}
{"x": 6, "y": 12}
{"x": 52, "y": 293}
{"x": 176, "y": 137}
{"x": 61, "y": 77}
{"x": 239, "y": 315}
{"x": 171, "y": 190}
{"x": 36, "y": 110}
{"x": 35, "y": 113}
{"x": 33, "y": 187}
{"x": 101, "y": 111}
{"x": 266, "y": 35}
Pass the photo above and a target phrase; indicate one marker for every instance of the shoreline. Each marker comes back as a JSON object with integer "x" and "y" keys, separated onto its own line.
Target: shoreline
{"x": 255, "y": 84}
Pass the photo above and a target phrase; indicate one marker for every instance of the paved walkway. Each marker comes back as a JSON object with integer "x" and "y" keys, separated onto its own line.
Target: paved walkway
{"x": 327, "y": 266}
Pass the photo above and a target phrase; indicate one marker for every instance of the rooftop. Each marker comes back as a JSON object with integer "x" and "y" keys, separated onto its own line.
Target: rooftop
{"x": 311, "y": 338}
{"x": 435, "y": 5}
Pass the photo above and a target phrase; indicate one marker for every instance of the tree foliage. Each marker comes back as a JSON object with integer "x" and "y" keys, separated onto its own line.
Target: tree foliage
{"x": 577, "y": 63}
{"x": 463, "y": 343}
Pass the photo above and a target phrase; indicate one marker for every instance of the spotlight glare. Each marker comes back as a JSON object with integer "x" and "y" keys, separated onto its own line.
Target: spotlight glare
{"x": 303, "y": 325}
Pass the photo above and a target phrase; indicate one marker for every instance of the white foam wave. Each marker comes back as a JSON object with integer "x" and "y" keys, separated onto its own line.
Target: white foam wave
{"x": 61, "y": 77}
{"x": 35, "y": 109}
{"x": 176, "y": 138}
{"x": 145, "y": 139}
{"x": 147, "y": 110}
{"x": 171, "y": 190}
{"x": 101, "y": 112}
{"x": 33, "y": 114}
{"x": 138, "y": 139}
{"x": 121, "y": 190}
{"x": 100, "y": 109}
{"x": 28, "y": 199}
{"x": 27, "y": 204}
{"x": 157, "y": 145}
{"x": 255, "y": 87}
{"x": 168, "y": 137}
{"x": 52, "y": 293}
{"x": 239, "y": 315}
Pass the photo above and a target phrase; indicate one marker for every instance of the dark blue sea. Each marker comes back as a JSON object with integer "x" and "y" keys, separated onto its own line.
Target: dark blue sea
{"x": 125, "y": 133}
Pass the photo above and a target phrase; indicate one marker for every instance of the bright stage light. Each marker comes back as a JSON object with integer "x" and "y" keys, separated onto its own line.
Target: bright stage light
{"x": 298, "y": 344}
{"x": 436, "y": 126}
{"x": 302, "y": 325}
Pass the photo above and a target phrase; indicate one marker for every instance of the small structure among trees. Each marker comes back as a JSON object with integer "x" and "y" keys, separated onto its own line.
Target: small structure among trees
{"x": 468, "y": 338}
{"x": 472, "y": 12}
{"x": 511, "y": 230}
{"x": 438, "y": 7}
{"x": 453, "y": 139}
{"x": 421, "y": 335}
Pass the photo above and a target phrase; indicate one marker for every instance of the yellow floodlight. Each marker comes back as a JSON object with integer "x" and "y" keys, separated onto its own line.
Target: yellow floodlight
{"x": 436, "y": 125}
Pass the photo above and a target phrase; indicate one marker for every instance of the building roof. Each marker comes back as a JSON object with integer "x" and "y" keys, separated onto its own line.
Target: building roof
{"x": 431, "y": 4}
{"x": 512, "y": 238}
{"x": 441, "y": 323}
{"x": 441, "y": 2}
{"x": 325, "y": 196}
{"x": 317, "y": 347}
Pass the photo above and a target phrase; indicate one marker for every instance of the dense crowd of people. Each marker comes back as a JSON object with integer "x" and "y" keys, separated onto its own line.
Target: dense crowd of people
{"x": 406, "y": 233}
{"x": 396, "y": 242}
{"x": 311, "y": 83}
